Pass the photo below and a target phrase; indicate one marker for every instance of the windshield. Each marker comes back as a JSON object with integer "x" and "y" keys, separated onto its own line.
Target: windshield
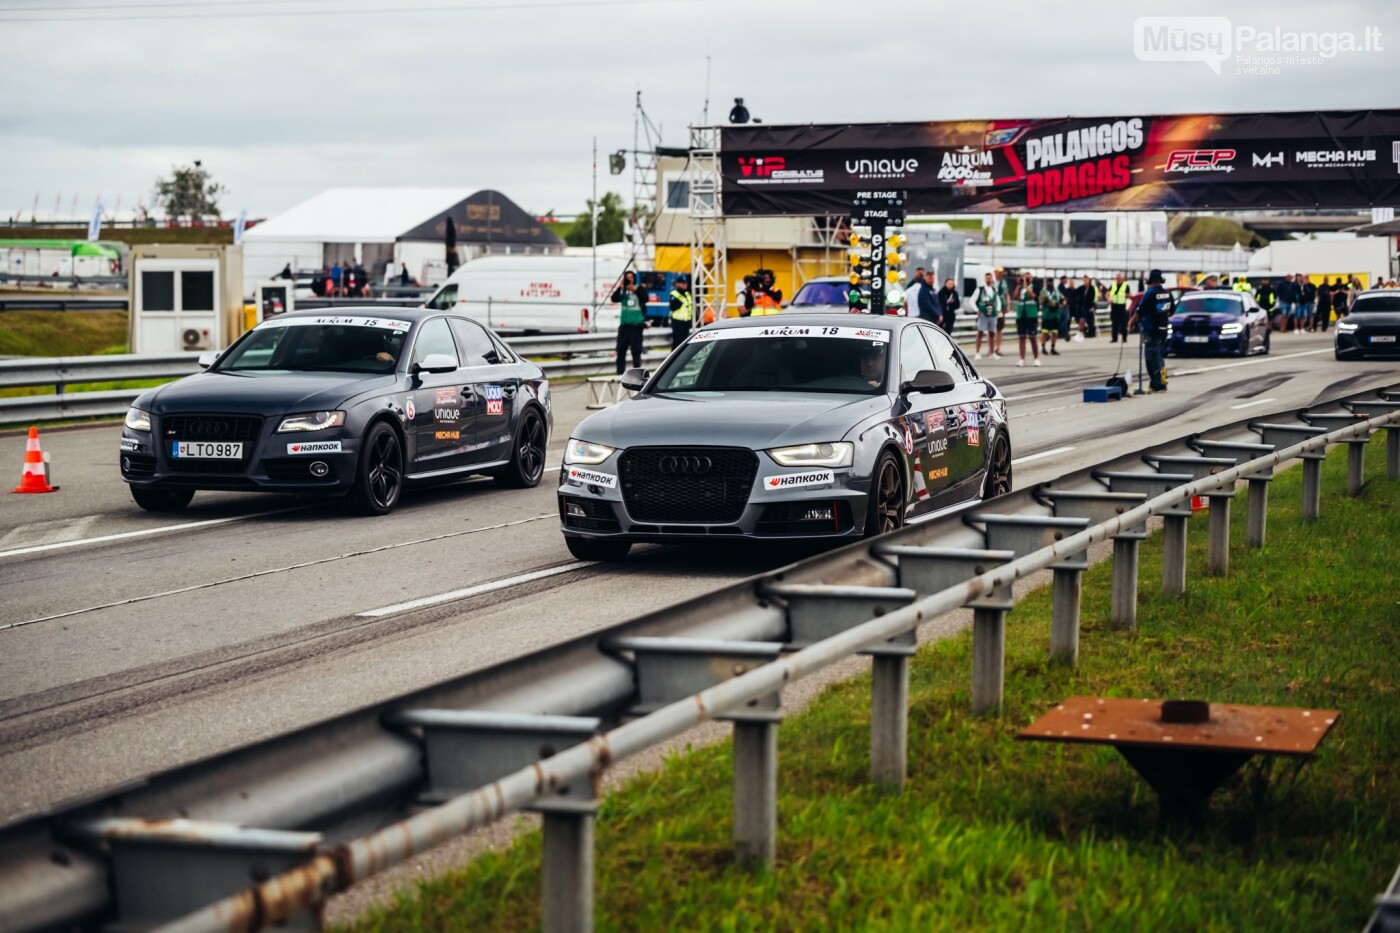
{"x": 1196, "y": 303}
{"x": 329, "y": 344}
{"x": 847, "y": 360}
{"x": 1376, "y": 304}
{"x": 820, "y": 293}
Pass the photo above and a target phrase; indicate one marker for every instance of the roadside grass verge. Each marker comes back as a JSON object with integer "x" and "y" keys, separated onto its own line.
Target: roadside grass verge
{"x": 62, "y": 333}
{"x": 994, "y": 833}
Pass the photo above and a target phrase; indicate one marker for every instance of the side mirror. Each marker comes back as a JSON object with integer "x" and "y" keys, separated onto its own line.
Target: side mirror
{"x": 929, "y": 380}
{"x": 435, "y": 363}
{"x": 207, "y": 358}
{"x": 634, "y": 379}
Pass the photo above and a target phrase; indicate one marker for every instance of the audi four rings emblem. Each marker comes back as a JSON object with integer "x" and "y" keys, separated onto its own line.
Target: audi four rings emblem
{"x": 687, "y": 465}
{"x": 207, "y": 427}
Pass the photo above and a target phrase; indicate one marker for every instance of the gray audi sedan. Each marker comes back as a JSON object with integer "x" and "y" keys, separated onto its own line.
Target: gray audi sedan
{"x": 823, "y": 426}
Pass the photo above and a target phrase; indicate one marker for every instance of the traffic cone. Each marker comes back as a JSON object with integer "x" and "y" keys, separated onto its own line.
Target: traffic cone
{"x": 920, "y": 487}
{"x": 35, "y": 477}
{"x": 1198, "y": 504}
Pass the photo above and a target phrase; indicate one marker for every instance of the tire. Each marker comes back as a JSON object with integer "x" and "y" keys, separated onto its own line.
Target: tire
{"x": 526, "y": 465}
{"x": 379, "y": 472}
{"x": 884, "y": 511}
{"x": 997, "y": 481}
{"x": 597, "y": 549}
{"x": 162, "y": 500}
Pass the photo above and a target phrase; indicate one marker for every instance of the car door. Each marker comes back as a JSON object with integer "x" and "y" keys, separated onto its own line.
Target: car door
{"x": 966, "y": 416}
{"x": 437, "y": 412}
{"x": 926, "y": 443}
{"x": 492, "y": 386}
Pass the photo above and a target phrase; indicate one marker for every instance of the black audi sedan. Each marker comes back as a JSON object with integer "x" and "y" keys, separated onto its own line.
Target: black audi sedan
{"x": 1218, "y": 323}
{"x": 818, "y": 427}
{"x": 1371, "y": 328}
{"x": 350, "y": 402}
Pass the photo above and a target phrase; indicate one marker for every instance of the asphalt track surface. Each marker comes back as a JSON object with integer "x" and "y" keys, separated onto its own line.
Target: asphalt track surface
{"x": 132, "y": 643}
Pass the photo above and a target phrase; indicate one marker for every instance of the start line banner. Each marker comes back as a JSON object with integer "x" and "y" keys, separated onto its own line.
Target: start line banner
{"x": 1332, "y": 159}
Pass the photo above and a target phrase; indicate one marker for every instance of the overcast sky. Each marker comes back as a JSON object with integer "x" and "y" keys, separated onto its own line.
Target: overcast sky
{"x": 509, "y": 95}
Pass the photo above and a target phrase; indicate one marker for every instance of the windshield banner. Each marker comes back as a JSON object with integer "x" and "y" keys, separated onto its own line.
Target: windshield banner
{"x": 304, "y": 320}
{"x": 873, "y": 334}
{"x": 1335, "y": 159}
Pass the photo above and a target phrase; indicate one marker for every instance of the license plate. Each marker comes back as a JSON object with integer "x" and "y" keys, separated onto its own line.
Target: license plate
{"x": 1198, "y": 340}
{"x": 206, "y": 450}
{"x": 1383, "y": 338}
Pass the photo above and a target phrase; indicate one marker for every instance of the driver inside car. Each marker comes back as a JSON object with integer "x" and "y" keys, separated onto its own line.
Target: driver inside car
{"x": 872, "y": 364}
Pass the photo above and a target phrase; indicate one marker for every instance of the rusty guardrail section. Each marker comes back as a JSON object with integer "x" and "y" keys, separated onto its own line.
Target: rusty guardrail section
{"x": 530, "y": 734}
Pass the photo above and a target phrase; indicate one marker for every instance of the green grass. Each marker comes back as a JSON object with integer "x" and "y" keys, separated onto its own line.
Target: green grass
{"x": 62, "y": 333}
{"x": 994, "y": 833}
{"x": 131, "y": 235}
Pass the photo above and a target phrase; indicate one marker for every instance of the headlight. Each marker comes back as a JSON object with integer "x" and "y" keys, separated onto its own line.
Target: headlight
{"x": 815, "y": 455}
{"x": 1232, "y": 328}
{"x": 312, "y": 421}
{"x": 1343, "y": 327}
{"x": 586, "y": 452}
{"x": 138, "y": 420}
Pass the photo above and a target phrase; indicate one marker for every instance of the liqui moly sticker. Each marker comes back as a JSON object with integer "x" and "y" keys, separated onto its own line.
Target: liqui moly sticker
{"x": 314, "y": 447}
{"x": 578, "y": 475}
{"x": 798, "y": 480}
{"x": 495, "y": 401}
{"x": 974, "y": 437}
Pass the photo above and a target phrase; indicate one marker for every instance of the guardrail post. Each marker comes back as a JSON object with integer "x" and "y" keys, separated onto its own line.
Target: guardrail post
{"x": 755, "y": 791}
{"x": 1174, "y": 554}
{"x": 566, "y": 874}
{"x": 889, "y": 720}
{"x": 1218, "y": 537}
{"x": 1064, "y": 617}
{"x": 1256, "y": 512}
{"x": 1122, "y": 611}
{"x": 1356, "y": 466}
{"x": 1392, "y": 453}
{"x": 1312, "y": 489}
{"x": 988, "y": 660}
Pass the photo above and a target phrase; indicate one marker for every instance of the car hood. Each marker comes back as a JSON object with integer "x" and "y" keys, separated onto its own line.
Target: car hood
{"x": 261, "y": 393}
{"x": 1216, "y": 318}
{"x": 1374, "y": 319}
{"x": 739, "y": 419}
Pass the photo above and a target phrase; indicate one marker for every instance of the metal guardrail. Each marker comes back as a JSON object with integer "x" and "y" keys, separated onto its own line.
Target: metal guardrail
{"x": 63, "y": 303}
{"x": 578, "y": 355}
{"x": 598, "y": 698}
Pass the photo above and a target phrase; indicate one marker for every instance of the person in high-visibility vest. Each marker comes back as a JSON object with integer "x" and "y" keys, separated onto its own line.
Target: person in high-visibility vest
{"x": 1242, "y": 285}
{"x": 682, "y": 312}
{"x": 766, "y": 298}
{"x": 1118, "y": 309}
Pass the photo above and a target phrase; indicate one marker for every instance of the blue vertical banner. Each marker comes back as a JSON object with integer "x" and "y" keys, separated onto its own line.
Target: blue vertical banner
{"x": 238, "y": 226}
{"x": 95, "y": 225}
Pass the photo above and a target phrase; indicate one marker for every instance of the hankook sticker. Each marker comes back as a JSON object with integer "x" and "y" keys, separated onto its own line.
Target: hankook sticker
{"x": 796, "y": 480}
{"x": 579, "y": 476}
{"x": 130, "y": 443}
{"x": 314, "y": 447}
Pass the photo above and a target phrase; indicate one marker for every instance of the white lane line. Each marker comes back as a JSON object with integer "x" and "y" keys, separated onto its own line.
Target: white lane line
{"x": 474, "y": 590}
{"x": 1040, "y": 456}
{"x": 265, "y": 573}
{"x": 1254, "y": 362}
{"x": 144, "y": 532}
{"x": 1257, "y": 401}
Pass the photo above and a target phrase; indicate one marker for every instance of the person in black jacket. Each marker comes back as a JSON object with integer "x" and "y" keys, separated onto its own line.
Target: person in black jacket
{"x": 1324, "y": 306}
{"x": 949, "y": 303}
{"x": 930, "y": 309}
{"x": 1307, "y": 295}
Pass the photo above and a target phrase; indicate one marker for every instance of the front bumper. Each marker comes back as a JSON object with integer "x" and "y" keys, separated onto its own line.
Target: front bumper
{"x": 818, "y": 510}
{"x": 268, "y": 465}
{"x": 1361, "y": 343}
{"x": 1213, "y": 345}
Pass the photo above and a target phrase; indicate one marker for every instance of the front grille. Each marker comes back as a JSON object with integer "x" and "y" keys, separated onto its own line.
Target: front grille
{"x": 138, "y": 465}
{"x": 295, "y": 470}
{"x": 597, "y": 515}
{"x": 1196, "y": 324}
{"x": 230, "y": 428}
{"x": 717, "y": 492}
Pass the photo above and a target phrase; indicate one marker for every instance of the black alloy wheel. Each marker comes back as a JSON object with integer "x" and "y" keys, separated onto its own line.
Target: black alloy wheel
{"x": 379, "y": 476}
{"x": 161, "y": 500}
{"x": 886, "y": 510}
{"x": 998, "y": 481}
{"x": 526, "y": 465}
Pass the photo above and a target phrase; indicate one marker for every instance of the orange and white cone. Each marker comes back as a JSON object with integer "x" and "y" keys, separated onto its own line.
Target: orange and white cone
{"x": 920, "y": 487}
{"x": 35, "y": 477}
{"x": 1199, "y": 504}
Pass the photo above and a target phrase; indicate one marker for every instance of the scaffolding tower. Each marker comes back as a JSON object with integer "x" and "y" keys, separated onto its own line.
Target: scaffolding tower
{"x": 646, "y": 137}
{"x": 707, "y": 246}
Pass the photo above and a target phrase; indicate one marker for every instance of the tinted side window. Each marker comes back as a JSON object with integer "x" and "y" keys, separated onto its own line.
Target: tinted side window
{"x": 947, "y": 356}
{"x": 914, "y": 357}
{"x": 434, "y": 337}
{"x": 477, "y": 347}
{"x": 444, "y": 299}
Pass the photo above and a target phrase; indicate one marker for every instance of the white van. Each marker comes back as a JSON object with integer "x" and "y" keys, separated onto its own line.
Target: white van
{"x": 534, "y": 294}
